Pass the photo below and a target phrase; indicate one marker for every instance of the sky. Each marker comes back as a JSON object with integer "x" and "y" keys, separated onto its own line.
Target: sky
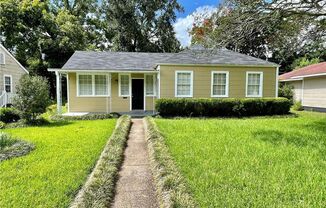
{"x": 185, "y": 20}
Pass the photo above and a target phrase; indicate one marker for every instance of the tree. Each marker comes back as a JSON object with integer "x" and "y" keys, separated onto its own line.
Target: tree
{"x": 32, "y": 97}
{"x": 137, "y": 25}
{"x": 272, "y": 30}
{"x": 304, "y": 61}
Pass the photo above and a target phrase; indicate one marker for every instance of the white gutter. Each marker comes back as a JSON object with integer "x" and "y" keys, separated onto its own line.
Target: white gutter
{"x": 230, "y": 65}
{"x": 310, "y": 75}
{"x": 291, "y": 80}
{"x": 101, "y": 71}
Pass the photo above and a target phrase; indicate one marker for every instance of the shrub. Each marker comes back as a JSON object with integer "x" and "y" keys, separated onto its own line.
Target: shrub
{"x": 188, "y": 107}
{"x": 11, "y": 147}
{"x": 32, "y": 97}
{"x": 2, "y": 125}
{"x": 8, "y": 115}
{"x": 92, "y": 116}
{"x": 286, "y": 90}
{"x": 297, "y": 106}
{"x": 6, "y": 140}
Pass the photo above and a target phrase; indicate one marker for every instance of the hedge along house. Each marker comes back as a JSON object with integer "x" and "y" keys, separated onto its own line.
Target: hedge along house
{"x": 309, "y": 86}
{"x": 132, "y": 81}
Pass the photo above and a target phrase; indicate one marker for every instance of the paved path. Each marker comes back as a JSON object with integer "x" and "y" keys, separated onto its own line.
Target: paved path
{"x": 135, "y": 185}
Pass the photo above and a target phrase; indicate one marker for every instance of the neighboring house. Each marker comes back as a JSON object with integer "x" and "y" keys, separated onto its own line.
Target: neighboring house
{"x": 309, "y": 84}
{"x": 10, "y": 72}
{"x": 127, "y": 81}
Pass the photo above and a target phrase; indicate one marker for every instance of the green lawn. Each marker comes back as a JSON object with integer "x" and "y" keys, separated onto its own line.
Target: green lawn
{"x": 253, "y": 162}
{"x": 51, "y": 174}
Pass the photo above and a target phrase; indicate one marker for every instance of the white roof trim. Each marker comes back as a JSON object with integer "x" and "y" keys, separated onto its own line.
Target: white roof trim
{"x": 14, "y": 58}
{"x": 290, "y": 80}
{"x": 102, "y": 71}
{"x": 310, "y": 75}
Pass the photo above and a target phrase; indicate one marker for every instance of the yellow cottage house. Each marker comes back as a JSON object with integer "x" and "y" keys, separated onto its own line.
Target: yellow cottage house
{"x": 131, "y": 81}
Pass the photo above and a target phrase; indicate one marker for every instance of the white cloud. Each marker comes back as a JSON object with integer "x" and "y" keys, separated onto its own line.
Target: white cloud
{"x": 183, "y": 25}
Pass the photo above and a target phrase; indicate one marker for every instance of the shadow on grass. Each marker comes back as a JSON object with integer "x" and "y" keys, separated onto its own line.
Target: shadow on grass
{"x": 277, "y": 137}
{"x": 317, "y": 126}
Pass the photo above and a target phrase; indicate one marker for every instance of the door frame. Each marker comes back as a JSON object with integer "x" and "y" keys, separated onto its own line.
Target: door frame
{"x": 143, "y": 91}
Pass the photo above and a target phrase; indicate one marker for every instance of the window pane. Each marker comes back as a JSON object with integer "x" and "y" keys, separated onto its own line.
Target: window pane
{"x": 149, "y": 85}
{"x": 85, "y": 85}
{"x": 254, "y": 84}
{"x": 184, "y": 84}
{"x": 101, "y": 85}
{"x": 124, "y": 85}
{"x": 7, "y": 80}
{"x": 254, "y": 79}
{"x": 219, "y": 84}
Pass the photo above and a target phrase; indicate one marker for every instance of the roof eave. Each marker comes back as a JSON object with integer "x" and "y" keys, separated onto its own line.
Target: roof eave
{"x": 235, "y": 65}
{"x": 290, "y": 80}
{"x": 310, "y": 75}
{"x": 100, "y": 70}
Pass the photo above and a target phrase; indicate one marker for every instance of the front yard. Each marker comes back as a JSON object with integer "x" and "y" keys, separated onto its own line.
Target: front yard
{"x": 51, "y": 175}
{"x": 252, "y": 162}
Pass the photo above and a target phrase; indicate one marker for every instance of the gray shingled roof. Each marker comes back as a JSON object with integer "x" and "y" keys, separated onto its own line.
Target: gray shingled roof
{"x": 215, "y": 56}
{"x": 129, "y": 61}
{"x": 134, "y": 61}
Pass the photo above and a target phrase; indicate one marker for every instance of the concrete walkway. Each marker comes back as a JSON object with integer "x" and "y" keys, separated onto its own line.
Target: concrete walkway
{"x": 135, "y": 185}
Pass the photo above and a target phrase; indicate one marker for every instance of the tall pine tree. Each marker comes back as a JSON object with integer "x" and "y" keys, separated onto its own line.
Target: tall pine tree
{"x": 141, "y": 25}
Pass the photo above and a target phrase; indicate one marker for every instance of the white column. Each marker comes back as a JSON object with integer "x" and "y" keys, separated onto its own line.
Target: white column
{"x": 59, "y": 92}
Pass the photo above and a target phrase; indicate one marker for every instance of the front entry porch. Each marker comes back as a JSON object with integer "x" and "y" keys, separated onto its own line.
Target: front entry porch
{"x": 132, "y": 93}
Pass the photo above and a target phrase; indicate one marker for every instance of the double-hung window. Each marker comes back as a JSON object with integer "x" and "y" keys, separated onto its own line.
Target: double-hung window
{"x": 220, "y": 84}
{"x": 254, "y": 86}
{"x": 92, "y": 85}
{"x": 124, "y": 85}
{"x": 183, "y": 84}
{"x": 8, "y": 83}
{"x": 150, "y": 85}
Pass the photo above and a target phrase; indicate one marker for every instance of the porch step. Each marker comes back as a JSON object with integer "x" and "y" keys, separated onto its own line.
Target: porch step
{"x": 139, "y": 113}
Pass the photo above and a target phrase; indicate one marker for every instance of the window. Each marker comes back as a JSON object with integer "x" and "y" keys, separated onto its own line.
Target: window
{"x": 254, "y": 84}
{"x": 8, "y": 83}
{"x": 124, "y": 85}
{"x": 101, "y": 85}
{"x": 92, "y": 85}
{"x": 150, "y": 85}
{"x": 183, "y": 83}
{"x": 220, "y": 84}
{"x": 2, "y": 58}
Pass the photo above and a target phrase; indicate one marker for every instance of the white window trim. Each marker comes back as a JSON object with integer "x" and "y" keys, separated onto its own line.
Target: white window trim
{"x": 4, "y": 82}
{"x": 120, "y": 85}
{"x": 226, "y": 84}
{"x": 176, "y": 83}
{"x": 4, "y": 58}
{"x": 154, "y": 85}
{"x": 260, "y": 84}
{"x": 93, "y": 84}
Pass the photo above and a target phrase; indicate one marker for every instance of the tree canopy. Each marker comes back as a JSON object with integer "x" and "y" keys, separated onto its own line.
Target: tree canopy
{"x": 278, "y": 30}
{"x": 44, "y": 33}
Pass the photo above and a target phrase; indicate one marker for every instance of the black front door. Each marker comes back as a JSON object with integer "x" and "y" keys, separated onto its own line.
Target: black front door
{"x": 137, "y": 94}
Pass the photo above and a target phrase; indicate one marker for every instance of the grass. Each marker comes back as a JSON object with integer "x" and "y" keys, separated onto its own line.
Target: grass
{"x": 51, "y": 175}
{"x": 252, "y": 162}
{"x": 99, "y": 189}
{"x": 171, "y": 187}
